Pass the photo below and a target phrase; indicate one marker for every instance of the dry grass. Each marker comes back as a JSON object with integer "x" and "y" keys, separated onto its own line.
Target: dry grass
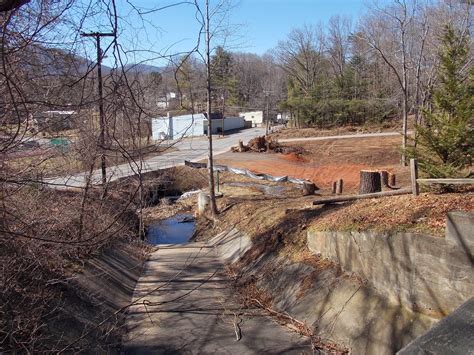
{"x": 388, "y": 126}
{"x": 286, "y": 217}
{"x": 45, "y": 241}
{"x": 423, "y": 214}
{"x": 54, "y": 162}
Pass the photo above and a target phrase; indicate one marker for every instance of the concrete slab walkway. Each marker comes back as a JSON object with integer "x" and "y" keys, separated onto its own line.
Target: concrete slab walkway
{"x": 187, "y": 307}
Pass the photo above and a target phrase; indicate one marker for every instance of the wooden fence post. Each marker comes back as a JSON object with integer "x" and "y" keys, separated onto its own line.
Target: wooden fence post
{"x": 414, "y": 176}
{"x": 339, "y": 186}
{"x": 392, "y": 180}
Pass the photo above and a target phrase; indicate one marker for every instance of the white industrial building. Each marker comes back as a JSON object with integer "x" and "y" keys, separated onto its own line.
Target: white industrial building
{"x": 255, "y": 116}
{"x": 191, "y": 125}
{"x": 230, "y": 124}
{"x": 165, "y": 101}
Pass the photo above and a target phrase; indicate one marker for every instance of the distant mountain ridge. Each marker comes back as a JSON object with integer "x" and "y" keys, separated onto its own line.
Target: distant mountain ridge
{"x": 55, "y": 61}
{"x": 143, "y": 68}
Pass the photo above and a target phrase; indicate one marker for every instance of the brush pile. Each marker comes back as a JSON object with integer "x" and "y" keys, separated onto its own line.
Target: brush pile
{"x": 265, "y": 144}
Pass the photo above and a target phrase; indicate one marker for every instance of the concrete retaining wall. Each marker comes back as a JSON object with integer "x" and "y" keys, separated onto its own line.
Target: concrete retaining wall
{"x": 452, "y": 335}
{"x": 337, "y": 307}
{"x": 424, "y": 273}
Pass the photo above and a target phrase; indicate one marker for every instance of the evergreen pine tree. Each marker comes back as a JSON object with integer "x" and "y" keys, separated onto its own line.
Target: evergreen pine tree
{"x": 445, "y": 143}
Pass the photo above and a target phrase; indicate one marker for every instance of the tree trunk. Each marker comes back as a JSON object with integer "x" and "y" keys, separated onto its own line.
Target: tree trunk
{"x": 210, "y": 160}
{"x": 405, "y": 97}
{"x": 8, "y": 5}
{"x": 404, "y": 128}
{"x": 370, "y": 182}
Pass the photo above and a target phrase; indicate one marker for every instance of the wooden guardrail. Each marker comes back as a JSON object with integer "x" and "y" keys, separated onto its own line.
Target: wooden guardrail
{"x": 414, "y": 189}
{"x": 446, "y": 181}
{"x": 346, "y": 198}
{"x": 415, "y": 181}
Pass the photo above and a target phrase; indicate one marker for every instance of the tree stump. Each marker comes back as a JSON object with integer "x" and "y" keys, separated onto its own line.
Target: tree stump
{"x": 384, "y": 177}
{"x": 308, "y": 188}
{"x": 370, "y": 182}
{"x": 392, "y": 180}
{"x": 339, "y": 186}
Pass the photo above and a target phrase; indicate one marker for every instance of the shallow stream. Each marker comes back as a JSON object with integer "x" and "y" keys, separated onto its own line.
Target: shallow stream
{"x": 174, "y": 230}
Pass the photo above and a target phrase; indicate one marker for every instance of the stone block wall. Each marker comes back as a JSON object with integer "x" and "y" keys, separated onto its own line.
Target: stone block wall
{"x": 424, "y": 273}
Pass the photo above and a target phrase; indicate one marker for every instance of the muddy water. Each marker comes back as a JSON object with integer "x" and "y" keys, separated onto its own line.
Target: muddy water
{"x": 267, "y": 190}
{"x": 174, "y": 230}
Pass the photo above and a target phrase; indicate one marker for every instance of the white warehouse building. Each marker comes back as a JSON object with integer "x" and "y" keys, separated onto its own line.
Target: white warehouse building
{"x": 191, "y": 125}
{"x": 255, "y": 116}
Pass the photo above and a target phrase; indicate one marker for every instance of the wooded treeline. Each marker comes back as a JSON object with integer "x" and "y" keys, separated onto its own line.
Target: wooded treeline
{"x": 383, "y": 65}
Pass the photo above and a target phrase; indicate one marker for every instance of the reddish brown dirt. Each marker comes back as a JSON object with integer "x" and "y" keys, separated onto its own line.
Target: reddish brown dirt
{"x": 294, "y": 158}
{"x": 327, "y": 161}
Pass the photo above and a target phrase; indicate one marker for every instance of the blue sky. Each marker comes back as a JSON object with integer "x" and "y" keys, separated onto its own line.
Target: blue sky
{"x": 269, "y": 21}
{"x": 257, "y": 25}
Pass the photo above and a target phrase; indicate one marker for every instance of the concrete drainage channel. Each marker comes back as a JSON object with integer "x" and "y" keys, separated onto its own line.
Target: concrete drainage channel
{"x": 337, "y": 307}
{"x": 183, "y": 304}
{"x": 359, "y": 307}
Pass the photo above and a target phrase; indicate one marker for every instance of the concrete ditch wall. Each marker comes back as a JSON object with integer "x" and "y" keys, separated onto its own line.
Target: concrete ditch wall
{"x": 336, "y": 306}
{"x": 423, "y": 273}
{"x": 90, "y": 314}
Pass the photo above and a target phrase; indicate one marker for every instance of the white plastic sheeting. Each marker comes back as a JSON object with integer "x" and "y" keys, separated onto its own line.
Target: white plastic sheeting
{"x": 249, "y": 173}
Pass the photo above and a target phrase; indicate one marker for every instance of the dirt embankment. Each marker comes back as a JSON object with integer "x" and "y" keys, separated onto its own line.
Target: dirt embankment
{"x": 424, "y": 214}
{"x": 68, "y": 264}
{"x": 246, "y": 206}
{"x": 324, "y": 162}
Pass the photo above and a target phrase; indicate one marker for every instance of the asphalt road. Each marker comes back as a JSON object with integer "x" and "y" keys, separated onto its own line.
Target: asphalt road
{"x": 193, "y": 149}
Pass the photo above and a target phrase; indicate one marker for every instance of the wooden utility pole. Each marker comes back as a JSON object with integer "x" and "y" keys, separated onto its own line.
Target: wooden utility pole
{"x": 267, "y": 114}
{"x": 223, "y": 113}
{"x": 210, "y": 160}
{"x": 267, "y": 121}
{"x": 103, "y": 168}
